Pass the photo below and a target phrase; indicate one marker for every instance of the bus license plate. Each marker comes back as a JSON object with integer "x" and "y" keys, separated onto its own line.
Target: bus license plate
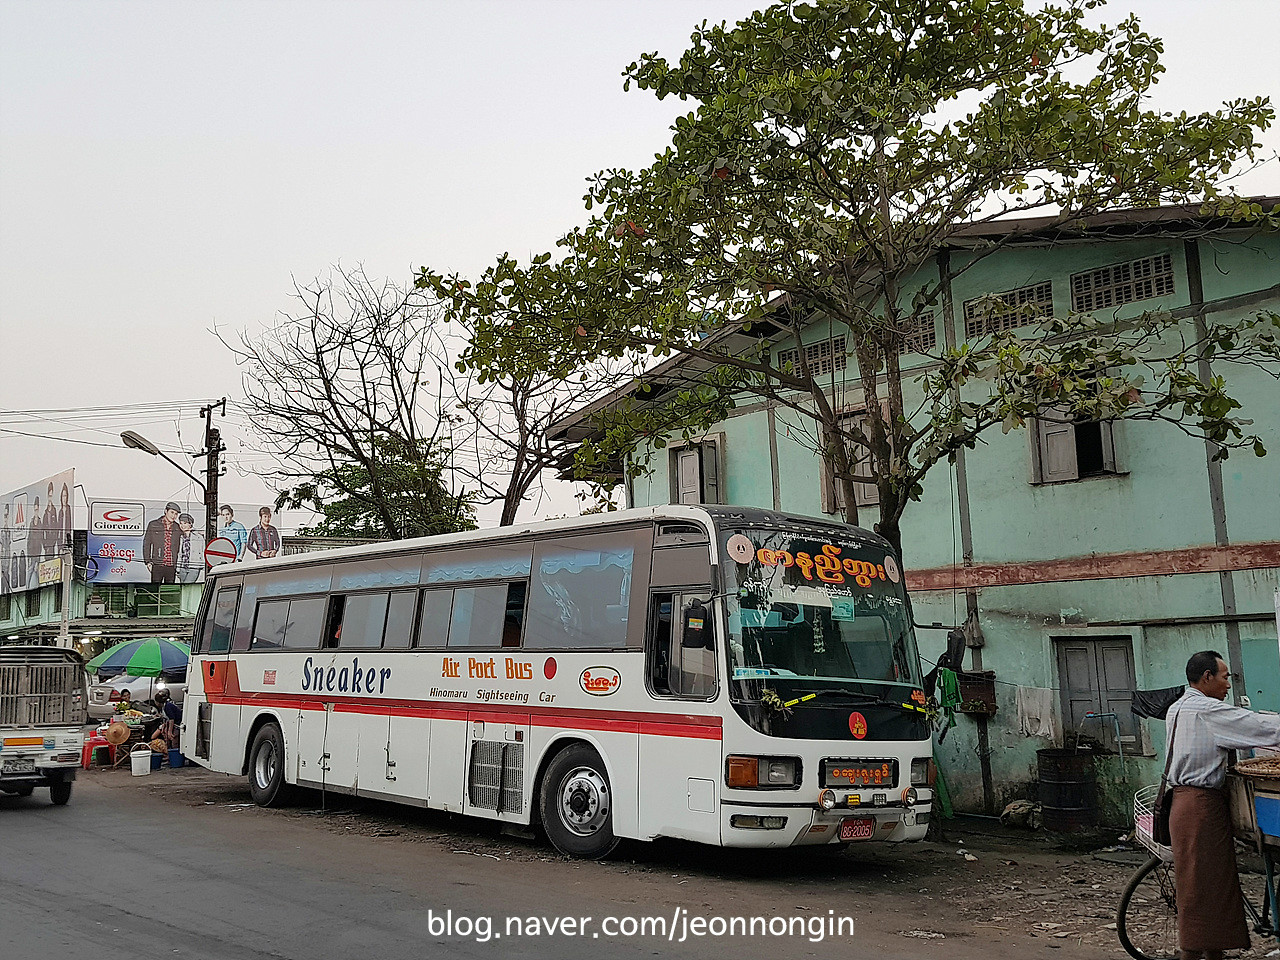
{"x": 20, "y": 765}
{"x": 857, "y": 828}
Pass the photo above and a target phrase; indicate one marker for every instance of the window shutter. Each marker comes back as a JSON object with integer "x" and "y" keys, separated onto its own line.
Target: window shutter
{"x": 1078, "y": 677}
{"x": 1115, "y": 667}
{"x": 688, "y": 476}
{"x": 709, "y": 455}
{"x": 1108, "y": 446}
{"x": 1057, "y": 446}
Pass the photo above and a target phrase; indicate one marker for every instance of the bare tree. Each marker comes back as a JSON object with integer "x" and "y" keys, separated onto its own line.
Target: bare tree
{"x": 344, "y": 392}
{"x": 357, "y": 397}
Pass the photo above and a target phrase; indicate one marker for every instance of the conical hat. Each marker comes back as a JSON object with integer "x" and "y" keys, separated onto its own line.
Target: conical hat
{"x": 117, "y": 733}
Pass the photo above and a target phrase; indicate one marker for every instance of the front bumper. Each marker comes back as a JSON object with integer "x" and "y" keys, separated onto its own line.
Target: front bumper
{"x": 804, "y": 825}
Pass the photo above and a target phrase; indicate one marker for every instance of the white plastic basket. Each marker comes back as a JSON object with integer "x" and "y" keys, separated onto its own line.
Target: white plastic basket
{"x": 1144, "y": 812}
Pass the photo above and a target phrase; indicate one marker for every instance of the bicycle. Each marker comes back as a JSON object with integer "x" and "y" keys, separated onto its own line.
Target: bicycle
{"x": 1147, "y": 914}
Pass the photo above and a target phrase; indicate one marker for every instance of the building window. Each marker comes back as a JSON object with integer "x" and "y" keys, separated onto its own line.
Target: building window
{"x": 6, "y": 607}
{"x": 1122, "y": 283}
{"x": 1095, "y": 676}
{"x": 57, "y": 599}
{"x": 159, "y": 600}
{"x": 823, "y": 357}
{"x": 865, "y": 494}
{"x": 695, "y": 472}
{"x": 33, "y": 603}
{"x": 919, "y": 334}
{"x": 1072, "y": 448}
{"x": 1004, "y": 311}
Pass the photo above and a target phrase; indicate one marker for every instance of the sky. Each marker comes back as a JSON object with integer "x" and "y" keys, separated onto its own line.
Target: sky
{"x": 167, "y": 169}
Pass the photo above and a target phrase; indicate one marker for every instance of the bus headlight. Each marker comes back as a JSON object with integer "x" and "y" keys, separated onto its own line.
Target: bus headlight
{"x": 923, "y": 772}
{"x": 909, "y": 797}
{"x": 827, "y": 800}
{"x": 762, "y": 773}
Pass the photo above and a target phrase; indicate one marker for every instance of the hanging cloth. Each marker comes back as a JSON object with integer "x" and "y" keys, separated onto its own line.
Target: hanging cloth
{"x": 948, "y": 699}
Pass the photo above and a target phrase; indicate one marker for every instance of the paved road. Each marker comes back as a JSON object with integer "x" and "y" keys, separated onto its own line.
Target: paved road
{"x": 177, "y": 864}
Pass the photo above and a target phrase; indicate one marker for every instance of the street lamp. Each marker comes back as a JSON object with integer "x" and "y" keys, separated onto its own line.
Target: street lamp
{"x": 138, "y": 442}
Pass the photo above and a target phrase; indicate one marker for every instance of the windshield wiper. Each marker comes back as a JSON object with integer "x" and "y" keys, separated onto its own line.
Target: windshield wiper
{"x": 856, "y": 699}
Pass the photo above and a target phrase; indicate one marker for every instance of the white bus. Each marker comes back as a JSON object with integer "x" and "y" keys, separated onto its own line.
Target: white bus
{"x": 725, "y": 675}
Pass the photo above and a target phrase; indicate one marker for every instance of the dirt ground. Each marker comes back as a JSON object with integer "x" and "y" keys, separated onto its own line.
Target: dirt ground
{"x": 981, "y": 885}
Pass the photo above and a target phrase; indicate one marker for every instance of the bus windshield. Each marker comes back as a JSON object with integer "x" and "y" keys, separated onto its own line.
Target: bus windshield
{"x": 815, "y": 611}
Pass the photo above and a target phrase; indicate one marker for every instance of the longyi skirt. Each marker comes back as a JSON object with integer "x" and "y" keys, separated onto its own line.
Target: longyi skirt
{"x": 1210, "y": 907}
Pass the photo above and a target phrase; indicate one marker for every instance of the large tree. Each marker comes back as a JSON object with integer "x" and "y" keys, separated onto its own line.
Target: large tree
{"x": 832, "y": 149}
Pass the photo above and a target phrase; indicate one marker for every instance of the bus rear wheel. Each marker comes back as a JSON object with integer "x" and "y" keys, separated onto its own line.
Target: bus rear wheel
{"x": 576, "y": 804}
{"x": 266, "y": 767}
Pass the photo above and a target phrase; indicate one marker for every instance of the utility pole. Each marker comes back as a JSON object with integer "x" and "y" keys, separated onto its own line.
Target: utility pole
{"x": 212, "y": 448}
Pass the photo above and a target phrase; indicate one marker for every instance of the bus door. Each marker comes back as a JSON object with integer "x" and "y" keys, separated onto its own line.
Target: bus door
{"x": 680, "y": 756}
{"x": 329, "y": 725}
{"x": 392, "y": 743}
{"x": 215, "y": 687}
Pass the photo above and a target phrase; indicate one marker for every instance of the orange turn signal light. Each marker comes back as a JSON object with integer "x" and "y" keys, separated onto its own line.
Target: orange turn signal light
{"x": 743, "y": 772}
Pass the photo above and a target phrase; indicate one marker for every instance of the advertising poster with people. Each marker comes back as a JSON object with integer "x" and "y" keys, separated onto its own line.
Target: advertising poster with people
{"x": 35, "y": 527}
{"x": 158, "y": 541}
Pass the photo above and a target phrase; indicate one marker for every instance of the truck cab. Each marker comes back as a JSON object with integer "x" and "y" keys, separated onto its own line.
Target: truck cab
{"x": 43, "y": 712}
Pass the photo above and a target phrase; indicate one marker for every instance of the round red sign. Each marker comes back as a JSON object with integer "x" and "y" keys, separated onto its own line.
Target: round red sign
{"x": 549, "y": 668}
{"x": 857, "y": 725}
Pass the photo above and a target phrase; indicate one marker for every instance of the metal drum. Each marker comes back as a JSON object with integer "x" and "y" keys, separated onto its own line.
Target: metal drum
{"x": 1068, "y": 791}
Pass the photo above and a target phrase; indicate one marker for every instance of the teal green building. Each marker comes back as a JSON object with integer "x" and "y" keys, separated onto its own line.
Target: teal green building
{"x": 1093, "y": 557}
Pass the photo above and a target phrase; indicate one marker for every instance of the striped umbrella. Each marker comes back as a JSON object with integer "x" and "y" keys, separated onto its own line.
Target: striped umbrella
{"x": 142, "y": 658}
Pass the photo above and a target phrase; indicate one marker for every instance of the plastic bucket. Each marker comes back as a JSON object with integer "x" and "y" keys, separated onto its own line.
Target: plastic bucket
{"x": 141, "y": 761}
{"x": 176, "y": 759}
{"x": 157, "y": 760}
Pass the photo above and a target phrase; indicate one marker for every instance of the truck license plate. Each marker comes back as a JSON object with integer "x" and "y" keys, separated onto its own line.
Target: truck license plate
{"x": 20, "y": 765}
{"x": 857, "y": 828}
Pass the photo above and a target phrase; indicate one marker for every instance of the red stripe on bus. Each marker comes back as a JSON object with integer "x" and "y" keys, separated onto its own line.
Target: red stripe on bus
{"x": 654, "y": 724}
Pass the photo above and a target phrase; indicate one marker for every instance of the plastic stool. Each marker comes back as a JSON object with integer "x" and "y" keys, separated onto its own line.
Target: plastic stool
{"x": 91, "y": 746}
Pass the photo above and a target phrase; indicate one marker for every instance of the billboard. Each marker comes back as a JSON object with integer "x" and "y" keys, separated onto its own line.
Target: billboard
{"x": 163, "y": 541}
{"x": 35, "y": 526}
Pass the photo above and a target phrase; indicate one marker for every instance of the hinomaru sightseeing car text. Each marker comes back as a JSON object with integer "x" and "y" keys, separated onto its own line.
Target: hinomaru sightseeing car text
{"x": 729, "y": 676}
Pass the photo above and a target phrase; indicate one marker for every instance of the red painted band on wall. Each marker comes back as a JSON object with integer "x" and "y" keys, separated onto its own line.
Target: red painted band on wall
{"x": 1156, "y": 563}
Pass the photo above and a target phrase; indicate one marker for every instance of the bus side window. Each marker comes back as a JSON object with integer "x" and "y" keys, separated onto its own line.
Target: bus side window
{"x": 400, "y": 620}
{"x": 682, "y": 656}
{"x": 433, "y": 622}
{"x": 513, "y": 622}
{"x": 660, "y": 643}
{"x": 223, "y": 620}
{"x": 333, "y": 624}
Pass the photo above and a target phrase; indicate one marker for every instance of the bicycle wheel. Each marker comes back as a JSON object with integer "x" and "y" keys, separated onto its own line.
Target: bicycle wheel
{"x": 1147, "y": 916}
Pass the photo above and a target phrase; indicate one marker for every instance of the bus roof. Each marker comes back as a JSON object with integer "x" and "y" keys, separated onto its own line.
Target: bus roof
{"x": 707, "y": 515}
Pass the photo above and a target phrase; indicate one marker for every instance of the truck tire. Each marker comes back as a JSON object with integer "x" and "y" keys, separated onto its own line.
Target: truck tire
{"x": 576, "y": 804}
{"x": 266, "y": 768}
{"x": 60, "y": 793}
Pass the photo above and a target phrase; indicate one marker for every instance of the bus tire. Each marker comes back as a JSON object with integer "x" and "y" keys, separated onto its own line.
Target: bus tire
{"x": 60, "y": 793}
{"x": 266, "y": 767}
{"x": 576, "y": 804}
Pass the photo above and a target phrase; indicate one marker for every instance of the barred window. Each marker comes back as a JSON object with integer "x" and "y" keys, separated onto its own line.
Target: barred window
{"x": 919, "y": 334}
{"x": 1004, "y": 311}
{"x": 822, "y": 357}
{"x": 33, "y": 603}
{"x": 1122, "y": 283}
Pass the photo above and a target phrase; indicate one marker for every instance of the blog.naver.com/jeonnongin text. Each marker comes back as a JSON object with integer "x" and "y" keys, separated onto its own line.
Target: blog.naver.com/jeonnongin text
{"x": 678, "y": 927}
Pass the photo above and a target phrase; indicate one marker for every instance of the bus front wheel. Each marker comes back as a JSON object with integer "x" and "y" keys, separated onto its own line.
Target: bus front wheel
{"x": 576, "y": 804}
{"x": 266, "y": 767}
